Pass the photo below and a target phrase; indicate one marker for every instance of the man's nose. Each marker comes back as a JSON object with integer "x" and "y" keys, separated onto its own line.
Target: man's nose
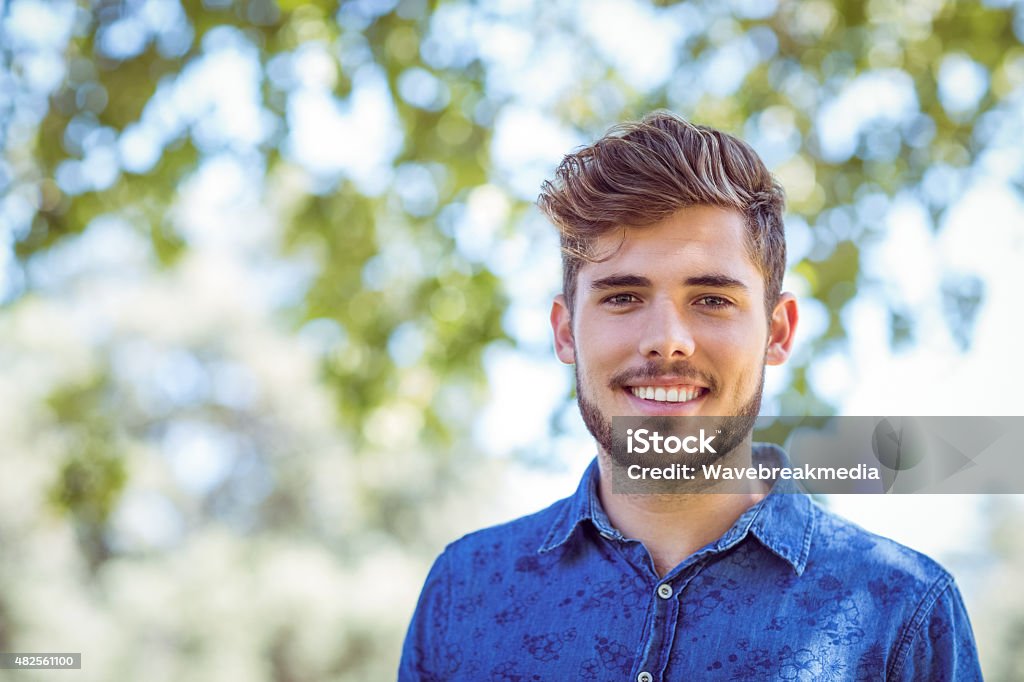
{"x": 666, "y": 333}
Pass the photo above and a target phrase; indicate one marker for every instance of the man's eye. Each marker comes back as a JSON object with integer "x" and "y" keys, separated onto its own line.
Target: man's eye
{"x": 621, "y": 299}
{"x": 714, "y": 302}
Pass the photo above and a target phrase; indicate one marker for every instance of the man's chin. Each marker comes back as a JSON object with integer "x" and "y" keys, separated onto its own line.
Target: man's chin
{"x": 729, "y": 431}
{"x": 724, "y": 434}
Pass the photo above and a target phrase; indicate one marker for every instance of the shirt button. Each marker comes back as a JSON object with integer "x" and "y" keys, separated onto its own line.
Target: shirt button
{"x": 665, "y": 591}
{"x": 645, "y": 676}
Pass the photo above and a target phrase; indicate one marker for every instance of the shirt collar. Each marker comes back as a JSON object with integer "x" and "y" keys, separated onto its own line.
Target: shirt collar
{"x": 583, "y": 505}
{"x": 783, "y": 521}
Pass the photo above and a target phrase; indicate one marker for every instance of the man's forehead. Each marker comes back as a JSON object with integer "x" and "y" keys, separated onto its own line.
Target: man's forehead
{"x": 713, "y": 242}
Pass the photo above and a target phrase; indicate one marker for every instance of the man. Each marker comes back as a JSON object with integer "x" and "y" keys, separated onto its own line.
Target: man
{"x": 673, "y": 257}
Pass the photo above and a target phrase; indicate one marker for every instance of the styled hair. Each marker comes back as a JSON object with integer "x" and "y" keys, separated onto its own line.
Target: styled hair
{"x": 642, "y": 172}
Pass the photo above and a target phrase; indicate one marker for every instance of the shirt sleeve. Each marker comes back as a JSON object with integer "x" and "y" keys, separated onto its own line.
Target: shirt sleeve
{"x": 424, "y": 652}
{"x": 942, "y": 648}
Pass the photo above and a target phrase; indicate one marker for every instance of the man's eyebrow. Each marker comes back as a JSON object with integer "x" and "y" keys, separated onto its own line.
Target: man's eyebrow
{"x": 717, "y": 281}
{"x": 618, "y": 281}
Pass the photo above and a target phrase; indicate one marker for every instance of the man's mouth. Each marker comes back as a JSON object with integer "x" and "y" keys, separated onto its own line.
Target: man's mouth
{"x": 668, "y": 394}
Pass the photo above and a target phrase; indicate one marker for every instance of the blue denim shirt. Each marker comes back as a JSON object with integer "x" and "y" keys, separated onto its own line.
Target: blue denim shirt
{"x": 789, "y": 592}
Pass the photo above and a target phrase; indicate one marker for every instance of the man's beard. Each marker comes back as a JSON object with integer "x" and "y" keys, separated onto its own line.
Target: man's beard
{"x": 733, "y": 430}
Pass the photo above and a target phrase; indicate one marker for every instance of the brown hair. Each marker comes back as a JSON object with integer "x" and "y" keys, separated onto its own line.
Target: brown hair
{"x": 642, "y": 172}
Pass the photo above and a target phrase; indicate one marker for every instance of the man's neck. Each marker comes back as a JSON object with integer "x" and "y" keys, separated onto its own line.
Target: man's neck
{"x": 672, "y": 526}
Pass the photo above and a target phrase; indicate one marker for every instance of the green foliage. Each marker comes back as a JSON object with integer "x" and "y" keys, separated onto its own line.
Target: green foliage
{"x": 92, "y": 474}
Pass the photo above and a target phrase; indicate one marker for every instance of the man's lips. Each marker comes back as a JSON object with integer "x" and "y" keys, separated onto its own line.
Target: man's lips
{"x": 665, "y": 380}
{"x": 664, "y": 407}
{"x": 670, "y": 388}
{"x": 667, "y": 393}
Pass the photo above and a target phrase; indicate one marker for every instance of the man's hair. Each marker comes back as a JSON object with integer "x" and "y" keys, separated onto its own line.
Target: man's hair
{"x": 642, "y": 172}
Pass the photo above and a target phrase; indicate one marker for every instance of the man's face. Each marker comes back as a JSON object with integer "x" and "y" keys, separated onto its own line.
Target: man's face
{"x": 672, "y": 324}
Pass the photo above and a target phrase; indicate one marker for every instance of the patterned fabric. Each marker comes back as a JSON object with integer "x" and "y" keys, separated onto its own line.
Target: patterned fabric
{"x": 790, "y": 592}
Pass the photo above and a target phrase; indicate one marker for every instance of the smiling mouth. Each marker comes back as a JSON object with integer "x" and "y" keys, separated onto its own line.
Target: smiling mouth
{"x": 668, "y": 394}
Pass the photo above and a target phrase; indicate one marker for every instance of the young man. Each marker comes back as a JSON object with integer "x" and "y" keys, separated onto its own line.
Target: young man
{"x": 673, "y": 257}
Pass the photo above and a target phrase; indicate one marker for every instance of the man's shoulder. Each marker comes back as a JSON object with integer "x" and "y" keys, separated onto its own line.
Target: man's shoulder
{"x": 515, "y": 538}
{"x": 840, "y": 545}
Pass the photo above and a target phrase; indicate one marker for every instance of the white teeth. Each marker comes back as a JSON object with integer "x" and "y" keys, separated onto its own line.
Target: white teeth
{"x": 661, "y": 394}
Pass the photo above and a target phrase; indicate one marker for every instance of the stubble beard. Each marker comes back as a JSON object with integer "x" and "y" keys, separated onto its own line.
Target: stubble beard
{"x": 733, "y": 430}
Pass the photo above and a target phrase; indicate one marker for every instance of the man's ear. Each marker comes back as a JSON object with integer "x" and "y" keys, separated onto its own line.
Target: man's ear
{"x": 561, "y": 325}
{"x": 782, "y": 329}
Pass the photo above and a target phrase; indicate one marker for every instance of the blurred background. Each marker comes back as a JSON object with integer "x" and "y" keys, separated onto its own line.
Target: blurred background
{"x": 274, "y": 293}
